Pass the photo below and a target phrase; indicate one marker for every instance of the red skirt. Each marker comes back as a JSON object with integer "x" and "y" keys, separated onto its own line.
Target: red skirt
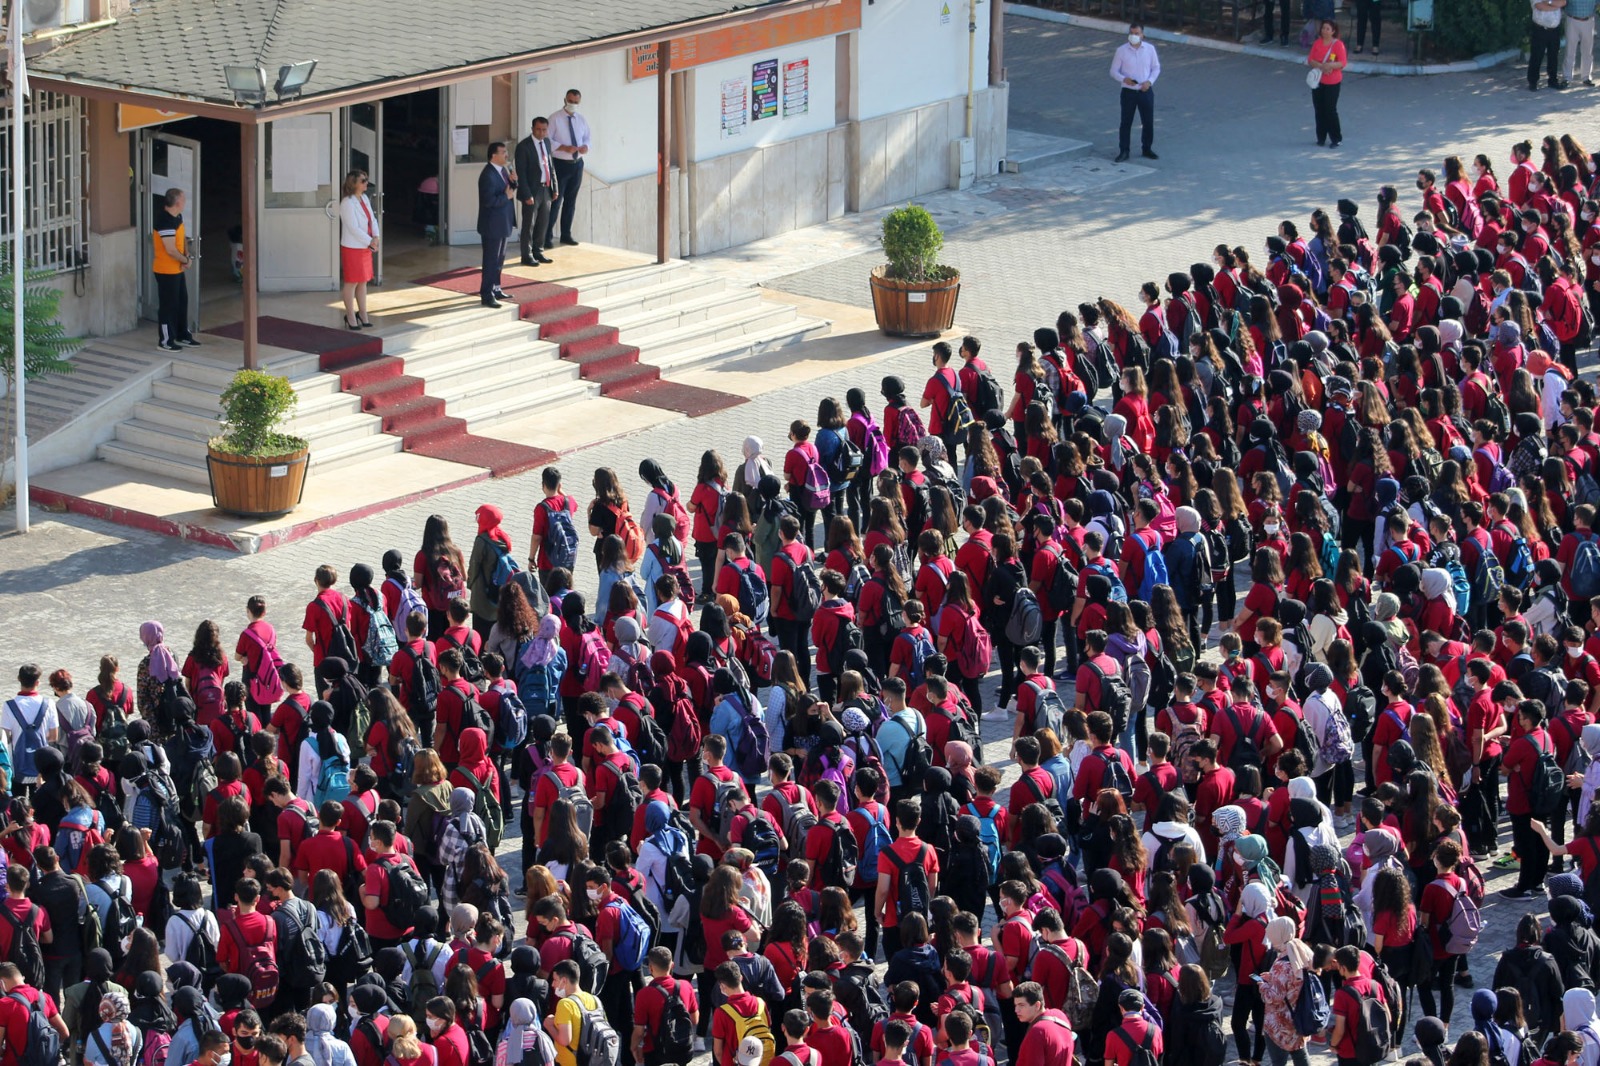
{"x": 355, "y": 264}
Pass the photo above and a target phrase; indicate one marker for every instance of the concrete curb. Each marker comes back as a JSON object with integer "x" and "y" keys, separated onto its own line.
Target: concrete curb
{"x": 1293, "y": 57}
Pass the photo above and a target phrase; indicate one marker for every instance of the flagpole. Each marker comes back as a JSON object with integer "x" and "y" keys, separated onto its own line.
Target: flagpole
{"x": 19, "y": 90}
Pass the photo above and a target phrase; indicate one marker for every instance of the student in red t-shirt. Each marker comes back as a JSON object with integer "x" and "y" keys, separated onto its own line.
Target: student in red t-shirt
{"x": 906, "y": 849}
{"x": 826, "y": 1035}
{"x": 375, "y": 886}
{"x": 243, "y": 926}
{"x": 703, "y": 795}
{"x": 791, "y": 632}
{"x": 731, "y": 1018}
{"x": 650, "y": 1005}
{"x": 1347, "y": 1002}
{"x": 1433, "y": 915}
{"x": 1049, "y": 1040}
{"x": 322, "y": 612}
{"x": 943, "y": 385}
{"x": 1519, "y": 765}
{"x": 554, "y": 502}
{"x": 1133, "y": 1031}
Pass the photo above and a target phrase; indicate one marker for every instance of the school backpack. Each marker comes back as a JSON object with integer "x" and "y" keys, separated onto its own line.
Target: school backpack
{"x": 1116, "y": 699}
{"x": 1584, "y": 573}
{"x": 973, "y": 647}
{"x": 760, "y": 838}
{"x": 41, "y": 1044}
{"x": 1547, "y": 786}
{"x": 424, "y": 983}
{"x": 594, "y": 658}
{"x": 381, "y": 642}
{"x": 408, "y": 892}
{"x": 1140, "y": 1052}
{"x": 634, "y": 936}
{"x": 598, "y": 1044}
{"x": 806, "y": 594}
{"x": 1310, "y": 1009}
{"x": 593, "y": 968}
{"x": 815, "y": 491}
{"x": 25, "y": 950}
{"x": 1026, "y": 621}
{"x": 921, "y": 648}
{"x": 744, "y": 1027}
{"x": 911, "y": 879}
{"x": 843, "y": 860}
{"x": 1246, "y": 752}
{"x": 674, "y": 1039}
{"x": 1464, "y": 923}
{"x": 750, "y": 747}
{"x": 303, "y": 954}
{"x": 574, "y": 794}
{"x": 908, "y": 429}
{"x": 560, "y": 543}
{"x": 333, "y": 776}
{"x": 874, "y": 843}
{"x": 258, "y": 962}
{"x": 1155, "y": 573}
{"x": 341, "y": 642}
{"x": 1374, "y": 1030}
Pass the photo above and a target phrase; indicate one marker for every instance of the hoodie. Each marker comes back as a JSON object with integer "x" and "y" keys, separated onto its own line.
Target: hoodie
{"x": 1575, "y": 946}
{"x": 1185, "y": 1025}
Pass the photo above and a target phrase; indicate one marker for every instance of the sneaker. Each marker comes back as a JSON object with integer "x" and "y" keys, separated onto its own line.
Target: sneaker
{"x": 1464, "y": 980}
{"x": 1521, "y": 893}
{"x": 168, "y": 346}
{"x": 1508, "y": 861}
{"x": 189, "y": 342}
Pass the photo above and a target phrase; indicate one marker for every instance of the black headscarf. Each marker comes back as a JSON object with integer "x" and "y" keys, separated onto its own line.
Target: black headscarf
{"x": 656, "y": 477}
{"x": 322, "y": 716}
{"x": 148, "y": 1009}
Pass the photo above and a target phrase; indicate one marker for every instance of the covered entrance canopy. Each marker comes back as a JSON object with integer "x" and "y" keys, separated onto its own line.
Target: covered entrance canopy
{"x": 170, "y": 56}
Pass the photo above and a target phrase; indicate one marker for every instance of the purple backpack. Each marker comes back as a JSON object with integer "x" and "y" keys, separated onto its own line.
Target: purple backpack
{"x": 874, "y": 446}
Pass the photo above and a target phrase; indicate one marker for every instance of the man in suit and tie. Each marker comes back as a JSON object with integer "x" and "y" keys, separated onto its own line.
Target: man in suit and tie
{"x": 538, "y": 189}
{"x": 497, "y": 219}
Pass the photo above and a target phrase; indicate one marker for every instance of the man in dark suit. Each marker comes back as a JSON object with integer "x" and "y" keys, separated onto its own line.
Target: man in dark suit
{"x": 538, "y": 189}
{"x": 497, "y": 218}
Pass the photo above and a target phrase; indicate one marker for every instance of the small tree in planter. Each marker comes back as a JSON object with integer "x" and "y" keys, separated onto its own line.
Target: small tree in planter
{"x": 256, "y": 470}
{"x": 914, "y": 295}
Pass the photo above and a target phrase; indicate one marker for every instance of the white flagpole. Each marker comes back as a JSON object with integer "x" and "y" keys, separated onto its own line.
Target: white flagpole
{"x": 19, "y": 92}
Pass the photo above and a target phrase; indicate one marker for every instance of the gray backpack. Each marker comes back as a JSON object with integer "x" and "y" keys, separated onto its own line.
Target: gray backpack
{"x": 598, "y": 1044}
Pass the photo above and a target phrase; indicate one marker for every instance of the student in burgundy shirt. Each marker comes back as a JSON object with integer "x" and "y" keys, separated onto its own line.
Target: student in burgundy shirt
{"x": 651, "y": 1002}
{"x": 791, "y": 632}
{"x": 1519, "y": 765}
{"x": 937, "y": 393}
{"x": 1049, "y": 1040}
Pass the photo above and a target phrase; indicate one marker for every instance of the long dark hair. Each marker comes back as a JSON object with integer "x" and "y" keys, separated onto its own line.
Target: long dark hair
{"x": 436, "y": 542}
{"x": 207, "y": 650}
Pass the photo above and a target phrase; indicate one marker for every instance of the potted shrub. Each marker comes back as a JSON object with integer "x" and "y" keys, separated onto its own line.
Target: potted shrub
{"x": 257, "y": 471}
{"x": 912, "y": 294}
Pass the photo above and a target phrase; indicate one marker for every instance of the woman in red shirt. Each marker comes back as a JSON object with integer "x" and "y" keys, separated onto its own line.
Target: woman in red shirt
{"x": 1128, "y": 856}
{"x": 1394, "y": 926}
{"x": 950, "y": 626}
{"x": 705, "y": 512}
{"x": 205, "y": 672}
{"x": 786, "y": 942}
{"x": 1266, "y": 573}
{"x": 720, "y": 911}
{"x": 1135, "y": 407}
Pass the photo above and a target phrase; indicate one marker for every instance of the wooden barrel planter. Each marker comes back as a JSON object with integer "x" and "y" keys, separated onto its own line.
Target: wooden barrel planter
{"x": 914, "y": 308}
{"x": 257, "y": 486}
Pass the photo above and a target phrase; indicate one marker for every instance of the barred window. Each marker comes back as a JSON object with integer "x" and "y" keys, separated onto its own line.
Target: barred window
{"x": 58, "y": 223}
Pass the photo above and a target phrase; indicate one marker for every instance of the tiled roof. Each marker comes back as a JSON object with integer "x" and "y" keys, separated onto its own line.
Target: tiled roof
{"x": 179, "y": 47}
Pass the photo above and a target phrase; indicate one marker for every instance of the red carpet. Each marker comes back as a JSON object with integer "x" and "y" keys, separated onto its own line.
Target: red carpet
{"x": 594, "y": 346}
{"x": 401, "y": 400}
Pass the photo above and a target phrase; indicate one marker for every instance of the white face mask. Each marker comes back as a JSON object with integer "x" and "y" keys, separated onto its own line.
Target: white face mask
{"x": 353, "y": 1014}
{"x": 561, "y": 993}
{"x": 435, "y": 1025}
{"x": 1573, "y": 653}
{"x": 1134, "y": 39}
{"x": 1271, "y": 529}
{"x": 594, "y": 894}
{"x": 570, "y": 108}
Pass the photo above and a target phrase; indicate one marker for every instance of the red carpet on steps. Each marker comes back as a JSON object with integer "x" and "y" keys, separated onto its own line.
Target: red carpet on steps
{"x": 585, "y": 340}
{"x": 399, "y": 399}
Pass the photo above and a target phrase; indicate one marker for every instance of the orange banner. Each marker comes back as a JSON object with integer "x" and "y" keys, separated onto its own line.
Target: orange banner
{"x": 137, "y": 117}
{"x": 763, "y": 36}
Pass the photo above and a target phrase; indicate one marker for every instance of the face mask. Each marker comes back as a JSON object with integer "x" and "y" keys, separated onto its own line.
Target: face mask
{"x": 248, "y": 1042}
{"x": 570, "y": 108}
{"x": 561, "y": 993}
{"x": 1573, "y": 653}
{"x": 1271, "y": 529}
{"x": 1134, "y": 39}
{"x": 436, "y": 1025}
{"x": 1422, "y": 186}
{"x": 594, "y": 894}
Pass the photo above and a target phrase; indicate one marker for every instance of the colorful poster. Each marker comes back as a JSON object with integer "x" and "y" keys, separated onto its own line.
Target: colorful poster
{"x": 764, "y": 90}
{"x": 733, "y": 108}
{"x": 796, "y": 87}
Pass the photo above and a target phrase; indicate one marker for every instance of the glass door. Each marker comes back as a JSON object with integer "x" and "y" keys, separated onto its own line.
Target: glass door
{"x": 299, "y": 230}
{"x": 363, "y": 150}
{"x": 167, "y": 162}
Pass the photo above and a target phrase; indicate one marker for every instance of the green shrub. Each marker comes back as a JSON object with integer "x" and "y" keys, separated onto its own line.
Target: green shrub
{"x": 1473, "y": 27}
{"x": 911, "y": 241}
{"x": 253, "y": 407}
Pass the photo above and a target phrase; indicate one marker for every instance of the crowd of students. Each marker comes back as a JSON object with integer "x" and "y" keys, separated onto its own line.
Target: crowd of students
{"x": 1367, "y": 470}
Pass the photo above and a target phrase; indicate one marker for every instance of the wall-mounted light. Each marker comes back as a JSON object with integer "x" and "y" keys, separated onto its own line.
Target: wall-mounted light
{"x": 292, "y": 79}
{"x": 248, "y": 84}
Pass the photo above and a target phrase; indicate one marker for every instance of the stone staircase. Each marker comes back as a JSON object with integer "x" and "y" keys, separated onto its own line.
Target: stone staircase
{"x": 168, "y": 432}
{"x": 439, "y": 383}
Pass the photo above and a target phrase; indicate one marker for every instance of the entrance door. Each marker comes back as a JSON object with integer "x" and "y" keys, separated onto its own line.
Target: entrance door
{"x": 168, "y": 162}
{"x": 299, "y": 230}
{"x": 363, "y": 150}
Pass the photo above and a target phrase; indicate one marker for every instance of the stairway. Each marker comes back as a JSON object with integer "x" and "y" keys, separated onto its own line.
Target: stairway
{"x": 168, "y": 432}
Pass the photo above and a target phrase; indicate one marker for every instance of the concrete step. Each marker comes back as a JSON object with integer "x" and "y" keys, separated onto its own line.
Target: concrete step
{"x": 640, "y": 324}
{"x": 1028, "y": 152}
{"x": 616, "y": 282}
{"x": 205, "y": 398}
{"x": 321, "y": 429}
{"x": 486, "y": 410}
{"x": 778, "y": 333}
{"x": 482, "y": 355}
{"x": 446, "y": 326}
{"x": 656, "y": 346}
{"x": 680, "y": 286}
{"x": 151, "y": 461}
{"x": 505, "y": 379}
{"x": 291, "y": 367}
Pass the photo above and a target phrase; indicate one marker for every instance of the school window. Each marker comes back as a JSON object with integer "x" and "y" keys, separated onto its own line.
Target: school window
{"x": 58, "y": 213}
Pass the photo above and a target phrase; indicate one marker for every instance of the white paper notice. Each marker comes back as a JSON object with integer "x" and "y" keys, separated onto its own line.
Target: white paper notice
{"x": 180, "y": 167}
{"x": 460, "y": 141}
{"x": 364, "y": 140}
{"x": 474, "y": 103}
{"x": 294, "y": 160}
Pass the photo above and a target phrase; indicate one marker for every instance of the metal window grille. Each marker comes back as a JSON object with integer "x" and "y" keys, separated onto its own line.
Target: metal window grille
{"x": 58, "y": 212}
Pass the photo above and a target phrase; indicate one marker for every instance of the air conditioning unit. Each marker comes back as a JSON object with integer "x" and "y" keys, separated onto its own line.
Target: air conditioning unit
{"x": 51, "y": 14}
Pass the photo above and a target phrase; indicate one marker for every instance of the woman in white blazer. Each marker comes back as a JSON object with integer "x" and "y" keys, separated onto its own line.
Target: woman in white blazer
{"x": 358, "y": 237}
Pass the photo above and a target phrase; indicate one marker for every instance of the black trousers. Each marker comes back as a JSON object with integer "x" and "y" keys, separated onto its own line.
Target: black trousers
{"x": 535, "y": 222}
{"x": 1144, "y": 102}
{"x": 1325, "y": 104}
{"x": 1282, "y": 34}
{"x": 172, "y": 307}
{"x": 569, "y": 179}
{"x": 795, "y": 637}
{"x": 494, "y": 259}
{"x": 1440, "y": 994}
{"x": 1369, "y": 12}
{"x": 1248, "y": 1007}
{"x": 1533, "y": 856}
{"x": 1544, "y": 45}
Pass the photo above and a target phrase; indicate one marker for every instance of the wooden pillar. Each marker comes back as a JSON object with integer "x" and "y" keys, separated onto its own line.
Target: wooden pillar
{"x": 997, "y": 42}
{"x": 249, "y": 205}
{"x": 663, "y": 148}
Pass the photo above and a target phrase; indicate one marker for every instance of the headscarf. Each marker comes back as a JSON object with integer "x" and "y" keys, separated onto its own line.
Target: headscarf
{"x": 475, "y": 760}
{"x": 1578, "y": 1007}
{"x": 322, "y": 723}
{"x": 856, "y": 659}
{"x": 1106, "y": 883}
{"x": 149, "y": 1010}
{"x": 958, "y": 758}
{"x": 1304, "y": 788}
{"x": 489, "y": 519}
{"x": 320, "y": 1041}
{"x": 754, "y": 463}
{"x": 1253, "y": 850}
{"x": 545, "y": 643}
{"x": 163, "y": 665}
{"x": 1202, "y": 879}
{"x": 183, "y": 975}
{"x": 1378, "y": 845}
{"x": 1257, "y": 900}
{"x": 1229, "y": 822}
{"x": 97, "y": 970}
{"x": 190, "y": 1003}
{"x": 1318, "y": 677}
{"x": 461, "y": 801}
{"x": 655, "y": 477}
{"x": 522, "y": 1031}
{"x": 1484, "y": 1003}
{"x": 1282, "y": 939}
{"x": 658, "y": 827}
{"x": 113, "y": 1009}
{"x": 1116, "y": 428}
{"x": 1435, "y": 582}
{"x": 1590, "y": 739}
{"x": 1431, "y": 1036}
{"x": 1188, "y": 520}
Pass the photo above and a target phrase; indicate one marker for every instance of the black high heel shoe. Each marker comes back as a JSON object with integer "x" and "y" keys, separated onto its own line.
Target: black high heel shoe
{"x": 366, "y": 323}
{"x": 348, "y": 324}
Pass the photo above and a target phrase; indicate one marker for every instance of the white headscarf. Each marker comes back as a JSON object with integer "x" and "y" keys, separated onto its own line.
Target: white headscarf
{"x": 755, "y": 464}
{"x": 1304, "y": 788}
{"x": 1257, "y": 901}
{"x": 324, "y": 1048}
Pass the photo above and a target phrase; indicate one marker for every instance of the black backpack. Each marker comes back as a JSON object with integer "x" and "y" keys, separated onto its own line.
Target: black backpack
{"x": 41, "y": 1046}
{"x": 408, "y": 892}
{"x": 1246, "y": 752}
{"x": 1116, "y": 699}
{"x": 25, "y": 951}
{"x": 304, "y": 957}
{"x": 911, "y": 878}
{"x": 353, "y": 956}
{"x": 593, "y": 968}
{"x": 341, "y": 643}
{"x": 675, "y": 1038}
{"x": 1141, "y": 1052}
{"x": 422, "y": 691}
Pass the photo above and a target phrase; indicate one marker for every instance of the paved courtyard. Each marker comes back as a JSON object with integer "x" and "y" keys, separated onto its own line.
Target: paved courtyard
{"x": 1237, "y": 154}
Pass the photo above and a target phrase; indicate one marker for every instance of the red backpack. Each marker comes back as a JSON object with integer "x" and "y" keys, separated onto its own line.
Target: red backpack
{"x": 258, "y": 962}
{"x": 594, "y": 658}
{"x": 680, "y": 517}
{"x": 633, "y": 541}
{"x": 974, "y": 648}
{"x": 683, "y": 626}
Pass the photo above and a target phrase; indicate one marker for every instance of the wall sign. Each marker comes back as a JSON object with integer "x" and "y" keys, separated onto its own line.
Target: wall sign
{"x": 763, "y": 90}
{"x": 734, "y": 114}
{"x": 796, "y": 87}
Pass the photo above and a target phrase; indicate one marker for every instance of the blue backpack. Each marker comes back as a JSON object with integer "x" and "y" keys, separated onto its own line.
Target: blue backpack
{"x": 511, "y": 724}
{"x": 1584, "y": 575}
{"x": 505, "y": 567}
{"x": 989, "y": 837}
{"x": 333, "y": 779}
{"x": 1311, "y": 1013}
{"x": 537, "y": 684}
{"x": 921, "y": 649}
{"x": 1519, "y": 570}
{"x": 634, "y": 936}
{"x": 1155, "y": 573}
{"x": 32, "y": 738}
{"x": 877, "y": 840}
{"x": 561, "y": 536}
{"x": 1460, "y": 584}
{"x": 750, "y": 747}
{"x": 753, "y": 599}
